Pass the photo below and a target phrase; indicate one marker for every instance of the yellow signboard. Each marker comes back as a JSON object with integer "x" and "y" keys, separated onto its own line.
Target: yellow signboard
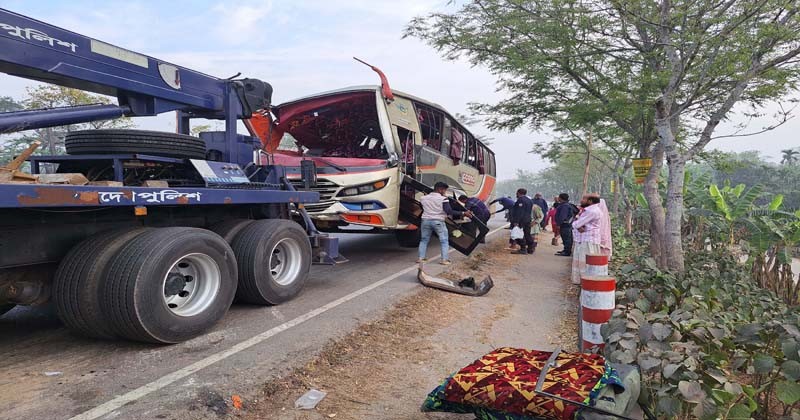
{"x": 640, "y": 169}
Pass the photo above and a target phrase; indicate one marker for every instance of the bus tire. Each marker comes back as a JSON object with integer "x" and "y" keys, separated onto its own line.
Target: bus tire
{"x": 274, "y": 257}
{"x": 116, "y": 141}
{"x": 228, "y": 229}
{"x": 78, "y": 279}
{"x": 408, "y": 238}
{"x": 6, "y": 308}
{"x": 170, "y": 284}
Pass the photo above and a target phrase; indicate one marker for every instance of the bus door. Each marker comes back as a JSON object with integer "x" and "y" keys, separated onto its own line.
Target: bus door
{"x": 405, "y": 127}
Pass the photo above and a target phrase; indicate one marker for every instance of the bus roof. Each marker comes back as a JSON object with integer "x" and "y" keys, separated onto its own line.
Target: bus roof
{"x": 373, "y": 88}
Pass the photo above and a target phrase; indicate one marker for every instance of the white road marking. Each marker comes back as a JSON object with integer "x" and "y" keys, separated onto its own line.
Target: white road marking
{"x": 166, "y": 380}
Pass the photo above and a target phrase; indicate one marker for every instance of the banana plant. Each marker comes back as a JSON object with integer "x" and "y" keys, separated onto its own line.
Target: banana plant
{"x": 733, "y": 206}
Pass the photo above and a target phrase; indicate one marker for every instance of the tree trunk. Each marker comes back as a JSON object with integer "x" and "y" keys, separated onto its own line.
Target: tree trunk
{"x": 587, "y": 164}
{"x": 657, "y": 215}
{"x": 674, "y": 216}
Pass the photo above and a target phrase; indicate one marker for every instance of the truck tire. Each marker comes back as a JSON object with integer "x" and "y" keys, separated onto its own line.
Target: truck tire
{"x": 228, "y": 229}
{"x": 169, "y": 285}
{"x": 6, "y": 308}
{"x": 408, "y": 238}
{"x": 77, "y": 281}
{"x": 274, "y": 257}
{"x": 155, "y": 143}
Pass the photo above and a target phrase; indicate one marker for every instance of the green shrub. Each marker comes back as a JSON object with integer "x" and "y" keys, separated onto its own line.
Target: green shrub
{"x": 711, "y": 343}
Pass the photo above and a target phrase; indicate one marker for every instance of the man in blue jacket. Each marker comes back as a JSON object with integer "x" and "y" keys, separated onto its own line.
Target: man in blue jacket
{"x": 565, "y": 214}
{"x": 521, "y": 216}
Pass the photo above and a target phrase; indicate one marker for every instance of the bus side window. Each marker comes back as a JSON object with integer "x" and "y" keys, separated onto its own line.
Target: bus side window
{"x": 446, "y": 137}
{"x": 472, "y": 152}
{"x": 457, "y": 147}
{"x": 481, "y": 159}
{"x": 430, "y": 123}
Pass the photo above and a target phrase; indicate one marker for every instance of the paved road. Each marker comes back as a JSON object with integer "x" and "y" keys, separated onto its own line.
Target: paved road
{"x": 48, "y": 373}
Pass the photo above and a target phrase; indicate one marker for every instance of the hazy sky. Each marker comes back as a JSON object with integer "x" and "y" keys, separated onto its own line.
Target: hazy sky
{"x": 306, "y": 46}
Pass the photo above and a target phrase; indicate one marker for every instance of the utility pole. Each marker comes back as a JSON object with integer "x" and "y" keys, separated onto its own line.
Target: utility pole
{"x": 588, "y": 159}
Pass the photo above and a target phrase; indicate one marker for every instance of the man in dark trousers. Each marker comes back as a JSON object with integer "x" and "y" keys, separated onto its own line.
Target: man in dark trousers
{"x": 565, "y": 214}
{"x": 541, "y": 202}
{"x": 521, "y": 216}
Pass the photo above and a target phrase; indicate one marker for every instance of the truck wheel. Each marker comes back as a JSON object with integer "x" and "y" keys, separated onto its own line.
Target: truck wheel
{"x": 155, "y": 143}
{"x": 408, "y": 238}
{"x": 6, "y": 308}
{"x": 76, "y": 285}
{"x": 228, "y": 229}
{"x": 274, "y": 257}
{"x": 170, "y": 284}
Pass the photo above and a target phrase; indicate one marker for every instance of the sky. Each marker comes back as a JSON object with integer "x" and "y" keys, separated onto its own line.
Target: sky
{"x": 306, "y": 46}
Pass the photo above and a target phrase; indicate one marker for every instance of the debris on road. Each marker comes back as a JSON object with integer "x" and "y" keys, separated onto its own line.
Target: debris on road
{"x": 463, "y": 286}
{"x": 237, "y": 402}
{"x": 53, "y": 373}
{"x": 309, "y": 400}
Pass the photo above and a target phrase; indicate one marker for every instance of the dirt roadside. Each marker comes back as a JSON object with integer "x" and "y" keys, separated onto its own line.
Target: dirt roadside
{"x": 385, "y": 368}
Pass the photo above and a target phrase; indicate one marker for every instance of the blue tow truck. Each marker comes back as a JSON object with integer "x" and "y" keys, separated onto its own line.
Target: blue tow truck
{"x": 166, "y": 229}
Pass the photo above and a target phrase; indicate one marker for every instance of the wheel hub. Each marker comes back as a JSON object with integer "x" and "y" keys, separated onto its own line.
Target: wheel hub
{"x": 191, "y": 284}
{"x": 175, "y": 284}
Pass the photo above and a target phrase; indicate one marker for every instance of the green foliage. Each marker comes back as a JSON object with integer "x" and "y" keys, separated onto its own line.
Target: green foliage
{"x": 750, "y": 168}
{"x": 711, "y": 343}
{"x": 52, "y": 138}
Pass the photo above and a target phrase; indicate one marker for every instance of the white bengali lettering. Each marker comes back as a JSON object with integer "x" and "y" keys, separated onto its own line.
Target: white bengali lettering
{"x": 36, "y": 35}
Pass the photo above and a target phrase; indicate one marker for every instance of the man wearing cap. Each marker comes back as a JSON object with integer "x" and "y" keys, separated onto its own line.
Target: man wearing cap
{"x": 435, "y": 209}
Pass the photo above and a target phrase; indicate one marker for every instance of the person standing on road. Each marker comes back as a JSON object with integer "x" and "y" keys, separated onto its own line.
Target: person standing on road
{"x": 542, "y": 203}
{"x": 537, "y": 219}
{"x": 521, "y": 216}
{"x": 551, "y": 219}
{"x": 435, "y": 209}
{"x": 565, "y": 214}
{"x": 587, "y": 227}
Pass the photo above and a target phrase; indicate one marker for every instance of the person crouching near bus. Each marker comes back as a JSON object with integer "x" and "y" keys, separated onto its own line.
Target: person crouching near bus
{"x": 479, "y": 209}
{"x": 435, "y": 209}
{"x": 508, "y": 206}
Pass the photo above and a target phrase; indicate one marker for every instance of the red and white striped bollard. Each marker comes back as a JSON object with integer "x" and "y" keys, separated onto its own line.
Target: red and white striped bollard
{"x": 596, "y": 265}
{"x": 597, "y": 304}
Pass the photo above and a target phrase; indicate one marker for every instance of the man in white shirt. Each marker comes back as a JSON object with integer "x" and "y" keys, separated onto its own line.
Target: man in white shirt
{"x": 586, "y": 231}
{"x": 435, "y": 209}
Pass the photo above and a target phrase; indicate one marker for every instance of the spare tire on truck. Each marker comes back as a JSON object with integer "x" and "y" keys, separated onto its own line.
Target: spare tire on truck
{"x": 156, "y": 143}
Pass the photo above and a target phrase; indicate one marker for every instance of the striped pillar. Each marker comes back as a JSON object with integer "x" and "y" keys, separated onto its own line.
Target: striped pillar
{"x": 597, "y": 304}
{"x": 596, "y": 265}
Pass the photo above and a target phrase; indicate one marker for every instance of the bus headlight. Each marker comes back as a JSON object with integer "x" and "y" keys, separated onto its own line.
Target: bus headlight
{"x": 364, "y": 188}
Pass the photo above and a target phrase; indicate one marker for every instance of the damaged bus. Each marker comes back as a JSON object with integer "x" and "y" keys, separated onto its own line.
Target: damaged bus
{"x": 368, "y": 146}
